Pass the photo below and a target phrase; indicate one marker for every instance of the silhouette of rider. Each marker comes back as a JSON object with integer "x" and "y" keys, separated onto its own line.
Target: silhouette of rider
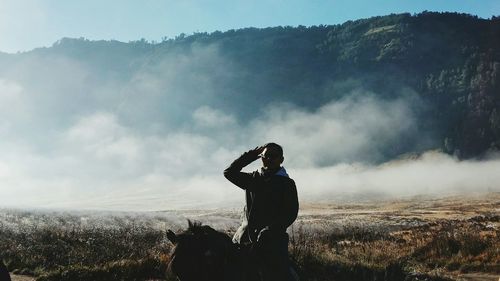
{"x": 271, "y": 207}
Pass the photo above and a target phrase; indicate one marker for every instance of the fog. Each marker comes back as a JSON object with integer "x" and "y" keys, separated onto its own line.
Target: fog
{"x": 159, "y": 139}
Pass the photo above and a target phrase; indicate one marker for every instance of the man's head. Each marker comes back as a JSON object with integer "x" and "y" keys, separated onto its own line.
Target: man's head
{"x": 272, "y": 156}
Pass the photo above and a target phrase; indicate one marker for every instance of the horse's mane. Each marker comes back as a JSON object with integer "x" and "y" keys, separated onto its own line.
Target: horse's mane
{"x": 197, "y": 228}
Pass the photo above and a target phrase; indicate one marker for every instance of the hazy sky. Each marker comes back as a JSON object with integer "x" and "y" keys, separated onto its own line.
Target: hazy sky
{"x": 67, "y": 141}
{"x": 27, "y": 24}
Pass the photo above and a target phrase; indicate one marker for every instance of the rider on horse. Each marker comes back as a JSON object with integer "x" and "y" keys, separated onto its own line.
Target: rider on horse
{"x": 271, "y": 207}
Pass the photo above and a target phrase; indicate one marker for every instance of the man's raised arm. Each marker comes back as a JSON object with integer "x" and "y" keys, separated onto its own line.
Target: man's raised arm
{"x": 234, "y": 174}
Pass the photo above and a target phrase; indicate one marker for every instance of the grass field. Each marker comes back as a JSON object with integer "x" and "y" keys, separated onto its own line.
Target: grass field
{"x": 450, "y": 238}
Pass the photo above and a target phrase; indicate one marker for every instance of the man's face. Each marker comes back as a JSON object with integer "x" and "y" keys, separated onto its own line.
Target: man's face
{"x": 271, "y": 158}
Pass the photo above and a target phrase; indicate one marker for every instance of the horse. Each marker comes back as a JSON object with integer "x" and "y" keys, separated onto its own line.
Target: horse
{"x": 202, "y": 253}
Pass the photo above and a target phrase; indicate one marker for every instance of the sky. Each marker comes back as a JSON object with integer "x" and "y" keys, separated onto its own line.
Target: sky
{"x": 28, "y": 24}
{"x": 81, "y": 150}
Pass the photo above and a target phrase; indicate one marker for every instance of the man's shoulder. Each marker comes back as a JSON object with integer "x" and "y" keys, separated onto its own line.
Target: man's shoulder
{"x": 291, "y": 182}
{"x": 285, "y": 180}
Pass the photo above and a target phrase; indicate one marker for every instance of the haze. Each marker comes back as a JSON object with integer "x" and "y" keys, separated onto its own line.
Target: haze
{"x": 160, "y": 139}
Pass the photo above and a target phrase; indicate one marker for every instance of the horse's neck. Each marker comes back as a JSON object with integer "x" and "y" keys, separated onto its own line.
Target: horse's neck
{"x": 237, "y": 266}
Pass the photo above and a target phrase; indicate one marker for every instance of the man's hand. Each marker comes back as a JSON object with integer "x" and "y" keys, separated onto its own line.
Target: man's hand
{"x": 257, "y": 151}
{"x": 264, "y": 235}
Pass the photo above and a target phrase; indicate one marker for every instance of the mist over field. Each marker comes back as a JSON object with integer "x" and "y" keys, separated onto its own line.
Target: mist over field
{"x": 154, "y": 131}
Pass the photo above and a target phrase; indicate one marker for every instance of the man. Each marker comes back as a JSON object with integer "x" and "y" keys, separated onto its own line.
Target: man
{"x": 271, "y": 207}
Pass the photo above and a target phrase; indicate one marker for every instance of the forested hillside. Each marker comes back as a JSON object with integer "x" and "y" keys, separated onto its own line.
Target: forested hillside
{"x": 446, "y": 64}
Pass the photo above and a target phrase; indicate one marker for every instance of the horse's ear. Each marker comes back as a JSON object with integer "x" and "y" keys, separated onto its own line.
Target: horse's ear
{"x": 172, "y": 236}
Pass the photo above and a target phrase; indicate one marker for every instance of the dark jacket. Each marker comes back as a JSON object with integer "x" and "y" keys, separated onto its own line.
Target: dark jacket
{"x": 271, "y": 199}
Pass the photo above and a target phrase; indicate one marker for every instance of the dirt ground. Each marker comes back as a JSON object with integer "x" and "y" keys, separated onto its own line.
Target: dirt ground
{"x": 477, "y": 277}
{"x": 461, "y": 277}
{"x": 21, "y": 278}
{"x": 407, "y": 211}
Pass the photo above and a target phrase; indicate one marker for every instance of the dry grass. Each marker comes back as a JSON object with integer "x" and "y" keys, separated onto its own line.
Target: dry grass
{"x": 437, "y": 237}
{"x": 362, "y": 241}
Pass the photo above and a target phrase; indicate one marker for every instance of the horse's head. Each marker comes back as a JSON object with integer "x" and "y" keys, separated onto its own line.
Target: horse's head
{"x": 200, "y": 253}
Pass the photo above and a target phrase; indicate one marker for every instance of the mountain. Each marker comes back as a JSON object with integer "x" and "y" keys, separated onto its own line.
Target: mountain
{"x": 445, "y": 65}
